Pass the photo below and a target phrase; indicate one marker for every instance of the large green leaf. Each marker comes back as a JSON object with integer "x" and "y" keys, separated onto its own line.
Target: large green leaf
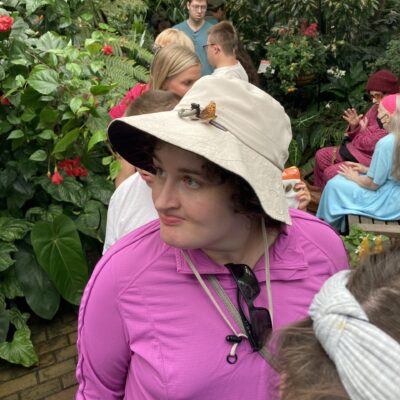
{"x": 89, "y": 222}
{"x": 50, "y": 41}
{"x": 66, "y": 141}
{"x": 5, "y": 257}
{"x": 40, "y": 293}
{"x": 58, "y": 250}
{"x": 20, "y": 350}
{"x": 13, "y": 229}
{"x": 100, "y": 188}
{"x": 44, "y": 80}
{"x": 70, "y": 190}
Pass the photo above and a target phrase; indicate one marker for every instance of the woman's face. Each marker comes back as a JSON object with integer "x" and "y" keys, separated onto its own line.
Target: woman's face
{"x": 194, "y": 211}
{"x": 182, "y": 82}
{"x": 376, "y": 96}
{"x": 384, "y": 116}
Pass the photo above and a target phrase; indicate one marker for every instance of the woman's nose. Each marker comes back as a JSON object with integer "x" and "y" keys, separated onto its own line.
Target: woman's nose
{"x": 165, "y": 195}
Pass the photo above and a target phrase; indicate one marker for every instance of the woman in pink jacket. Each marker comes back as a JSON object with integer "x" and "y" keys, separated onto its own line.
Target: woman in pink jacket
{"x": 362, "y": 133}
{"x": 182, "y": 307}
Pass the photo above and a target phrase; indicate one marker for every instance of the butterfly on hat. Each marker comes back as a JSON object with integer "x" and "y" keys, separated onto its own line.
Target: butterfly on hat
{"x": 207, "y": 115}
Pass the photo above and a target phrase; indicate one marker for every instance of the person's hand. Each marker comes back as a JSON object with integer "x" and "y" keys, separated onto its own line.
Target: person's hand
{"x": 303, "y": 195}
{"x": 364, "y": 123}
{"x": 348, "y": 172}
{"x": 352, "y": 117}
{"x": 360, "y": 168}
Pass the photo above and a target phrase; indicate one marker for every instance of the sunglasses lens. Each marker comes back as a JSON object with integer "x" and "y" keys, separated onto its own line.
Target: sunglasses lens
{"x": 261, "y": 325}
{"x": 246, "y": 280}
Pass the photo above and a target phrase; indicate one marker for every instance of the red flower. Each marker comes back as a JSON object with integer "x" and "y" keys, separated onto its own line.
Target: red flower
{"x": 107, "y": 49}
{"x": 5, "y": 23}
{"x": 5, "y": 101}
{"x": 57, "y": 178}
{"x": 73, "y": 167}
{"x": 311, "y": 31}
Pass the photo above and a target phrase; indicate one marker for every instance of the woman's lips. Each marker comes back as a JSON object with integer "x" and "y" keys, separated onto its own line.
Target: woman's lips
{"x": 170, "y": 219}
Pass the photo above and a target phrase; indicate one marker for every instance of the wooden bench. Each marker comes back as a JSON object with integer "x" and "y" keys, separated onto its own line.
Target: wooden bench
{"x": 388, "y": 228}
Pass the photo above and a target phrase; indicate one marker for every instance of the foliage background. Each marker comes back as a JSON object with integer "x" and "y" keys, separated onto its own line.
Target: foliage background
{"x": 57, "y": 85}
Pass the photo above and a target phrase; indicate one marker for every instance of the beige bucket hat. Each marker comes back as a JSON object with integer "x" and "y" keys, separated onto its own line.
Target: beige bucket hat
{"x": 239, "y": 127}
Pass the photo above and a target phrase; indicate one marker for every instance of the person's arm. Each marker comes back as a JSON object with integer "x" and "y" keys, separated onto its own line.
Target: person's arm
{"x": 103, "y": 345}
{"x": 352, "y": 174}
{"x": 126, "y": 171}
{"x": 353, "y": 119}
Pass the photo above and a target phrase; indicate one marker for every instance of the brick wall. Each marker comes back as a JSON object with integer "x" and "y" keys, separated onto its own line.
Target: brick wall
{"x": 54, "y": 377}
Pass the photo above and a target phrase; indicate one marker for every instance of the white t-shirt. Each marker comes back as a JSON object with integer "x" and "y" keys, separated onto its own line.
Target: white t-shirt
{"x": 131, "y": 206}
{"x": 235, "y": 71}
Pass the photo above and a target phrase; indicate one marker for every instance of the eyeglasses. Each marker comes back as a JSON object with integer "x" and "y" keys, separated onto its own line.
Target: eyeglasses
{"x": 205, "y": 46}
{"x": 200, "y": 8}
{"x": 260, "y": 324}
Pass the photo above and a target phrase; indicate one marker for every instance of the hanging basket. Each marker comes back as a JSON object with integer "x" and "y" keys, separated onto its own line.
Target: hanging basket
{"x": 304, "y": 79}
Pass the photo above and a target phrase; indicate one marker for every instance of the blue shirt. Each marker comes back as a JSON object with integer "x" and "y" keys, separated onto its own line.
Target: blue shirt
{"x": 199, "y": 39}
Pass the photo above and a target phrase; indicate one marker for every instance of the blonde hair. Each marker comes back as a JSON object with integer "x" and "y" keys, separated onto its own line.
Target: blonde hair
{"x": 170, "y": 61}
{"x": 173, "y": 36}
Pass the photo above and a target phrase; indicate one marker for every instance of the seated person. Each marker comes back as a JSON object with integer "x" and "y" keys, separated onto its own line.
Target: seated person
{"x": 221, "y": 48}
{"x": 362, "y": 133}
{"x": 374, "y": 191}
{"x": 131, "y": 205}
{"x": 349, "y": 347}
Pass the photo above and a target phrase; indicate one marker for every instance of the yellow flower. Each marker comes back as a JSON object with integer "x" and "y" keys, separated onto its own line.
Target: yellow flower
{"x": 291, "y": 89}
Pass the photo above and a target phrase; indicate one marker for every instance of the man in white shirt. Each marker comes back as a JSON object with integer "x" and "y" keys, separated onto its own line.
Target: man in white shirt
{"x": 221, "y": 50}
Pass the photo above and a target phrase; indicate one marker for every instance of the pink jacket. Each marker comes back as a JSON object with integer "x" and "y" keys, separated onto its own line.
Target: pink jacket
{"x": 148, "y": 331}
{"x": 363, "y": 141}
{"x": 119, "y": 110}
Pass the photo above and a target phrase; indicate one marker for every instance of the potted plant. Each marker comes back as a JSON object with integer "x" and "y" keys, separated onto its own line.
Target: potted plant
{"x": 296, "y": 55}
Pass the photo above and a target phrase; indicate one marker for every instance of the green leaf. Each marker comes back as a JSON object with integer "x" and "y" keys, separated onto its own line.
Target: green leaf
{"x": 20, "y": 350}
{"x": 70, "y": 191}
{"x": 98, "y": 136}
{"x": 47, "y": 134}
{"x": 102, "y": 89}
{"x": 39, "y": 213}
{"x": 33, "y": 5}
{"x": 9, "y": 284}
{"x": 13, "y": 229}
{"x": 4, "y": 320}
{"x": 50, "y": 41}
{"x": 48, "y": 117}
{"x": 5, "y": 258}
{"x": 44, "y": 80}
{"x": 96, "y": 66}
{"x": 75, "y": 104}
{"x": 74, "y": 68}
{"x": 40, "y": 293}
{"x": 58, "y": 250}
{"x": 28, "y": 115}
{"x": 38, "y": 155}
{"x": 15, "y": 134}
{"x": 100, "y": 188}
{"x": 66, "y": 141}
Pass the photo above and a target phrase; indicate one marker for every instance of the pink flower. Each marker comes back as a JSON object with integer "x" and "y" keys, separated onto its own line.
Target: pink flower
{"x": 107, "y": 50}
{"x": 311, "y": 31}
{"x": 57, "y": 178}
{"x": 5, "y": 23}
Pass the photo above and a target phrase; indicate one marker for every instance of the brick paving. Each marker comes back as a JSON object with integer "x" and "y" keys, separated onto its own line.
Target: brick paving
{"x": 54, "y": 377}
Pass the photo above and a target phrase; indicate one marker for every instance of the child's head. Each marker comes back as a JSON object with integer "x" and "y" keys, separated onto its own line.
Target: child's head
{"x": 151, "y": 102}
{"x": 224, "y": 36}
{"x": 349, "y": 348}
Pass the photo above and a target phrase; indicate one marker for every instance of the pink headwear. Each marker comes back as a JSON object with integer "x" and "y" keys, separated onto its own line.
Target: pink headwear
{"x": 390, "y": 102}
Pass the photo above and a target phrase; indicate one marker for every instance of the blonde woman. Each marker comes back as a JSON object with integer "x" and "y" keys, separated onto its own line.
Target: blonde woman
{"x": 175, "y": 68}
{"x": 165, "y": 38}
{"x": 372, "y": 191}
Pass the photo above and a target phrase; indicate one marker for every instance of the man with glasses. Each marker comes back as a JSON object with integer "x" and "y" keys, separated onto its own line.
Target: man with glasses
{"x": 196, "y": 27}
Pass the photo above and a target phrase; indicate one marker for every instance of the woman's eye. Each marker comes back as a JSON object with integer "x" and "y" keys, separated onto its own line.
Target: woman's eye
{"x": 159, "y": 171}
{"x": 191, "y": 183}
